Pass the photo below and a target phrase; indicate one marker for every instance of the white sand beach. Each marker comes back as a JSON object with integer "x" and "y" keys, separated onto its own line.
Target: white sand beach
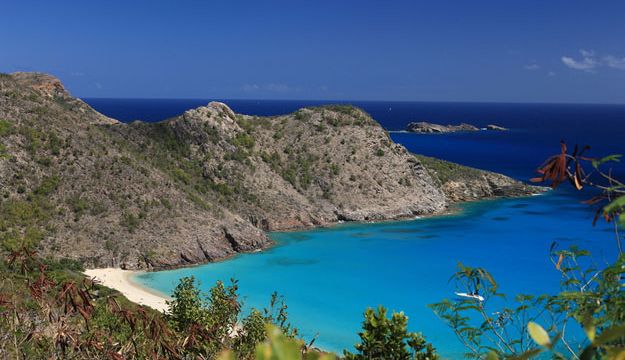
{"x": 120, "y": 280}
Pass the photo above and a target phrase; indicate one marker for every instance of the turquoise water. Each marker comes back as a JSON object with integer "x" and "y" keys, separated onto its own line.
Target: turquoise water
{"x": 330, "y": 276}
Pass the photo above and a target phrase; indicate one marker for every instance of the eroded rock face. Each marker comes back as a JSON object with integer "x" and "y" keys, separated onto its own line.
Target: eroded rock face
{"x": 428, "y": 128}
{"x": 204, "y": 185}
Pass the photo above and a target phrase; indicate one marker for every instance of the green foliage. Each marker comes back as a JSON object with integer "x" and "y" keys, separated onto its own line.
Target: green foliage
{"x": 130, "y": 221}
{"x": 166, "y": 203}
{"x": 244, "y": 145}
{"x": 63, "y": 264}
{"x": 277, "y": 315}
{"x": 22, "y": 223}
{"x": 48, "y": 185}
{"x": 252, "y": 333}
{"x": 345, "y": 109}
{"x": 281, "y": 347}
{"x": 186, "y": 307}
{"x": 34, "y": 138}
{"x": 4, "y": 154}
{"x": 388, "y": 338}
{"x": 223, "y": 308}
{"x": 589, "y": 298}
{"x": 214, "y": 316}
{"x": 166, "y": 143}
{"x": 445, "y": 171}
{"x": 181, "y": 175}
{"x": 54, "y": 144}
{"x": 302, "y": 115}
{"x": 616, "y": 208}
{"x": 243, "y": 140}
{"x": 6, "y": 128}
{"x": 78, "y": 205}
{"x": 379, "y": 152}
{"x": 28, "y": 239}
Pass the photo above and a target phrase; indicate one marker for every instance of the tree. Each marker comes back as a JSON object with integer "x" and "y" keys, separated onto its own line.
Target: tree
{"x": 388, "y": 338}
{"x": 186, "y": 308}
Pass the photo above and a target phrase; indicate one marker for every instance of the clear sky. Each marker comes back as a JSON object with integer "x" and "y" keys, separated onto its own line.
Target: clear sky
{"x": 503, "y": 50}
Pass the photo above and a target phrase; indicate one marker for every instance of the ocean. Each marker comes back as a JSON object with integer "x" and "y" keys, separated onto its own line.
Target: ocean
{"x": 330, "y": 276}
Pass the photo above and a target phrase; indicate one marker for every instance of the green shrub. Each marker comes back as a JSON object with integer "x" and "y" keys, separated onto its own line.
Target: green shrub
{"x": 253, "y": 332}
{"x": 166, "y": 203}
{"x": 47, "y": 186}
{"x": 181, "y": 176}
{"x": 4, "y": 154}
{"x": 129, "y": 221}
{"x": 186, "y": 307}
{"x": 243, "y": 140}
{"x": 64, "y": 264}
{"x": 54, "y": 144}
{"x": 6, "y": 128}
{"x": 78, "y": 206}
{"x": 384, "y": 338}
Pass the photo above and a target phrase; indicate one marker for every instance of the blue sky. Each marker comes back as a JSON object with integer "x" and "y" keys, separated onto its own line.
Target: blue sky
{"x": 510, "y": 51}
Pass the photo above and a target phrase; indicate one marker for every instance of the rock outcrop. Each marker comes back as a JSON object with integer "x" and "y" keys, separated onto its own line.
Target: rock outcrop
{"x": 204, "y": 185}
{"x": 429, "y": 128}
{"x": 495, "y": 127}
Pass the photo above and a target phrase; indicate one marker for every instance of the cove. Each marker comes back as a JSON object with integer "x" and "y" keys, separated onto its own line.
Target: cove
{"x": 329, "y": 276}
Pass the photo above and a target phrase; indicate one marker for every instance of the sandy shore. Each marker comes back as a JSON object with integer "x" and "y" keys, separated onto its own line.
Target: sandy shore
{"x": 120, "y": 280}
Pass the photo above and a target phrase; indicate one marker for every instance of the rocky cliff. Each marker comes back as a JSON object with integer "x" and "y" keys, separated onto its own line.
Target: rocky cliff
{"x": 204, "y": 185}
{"x": 423, "y": 127}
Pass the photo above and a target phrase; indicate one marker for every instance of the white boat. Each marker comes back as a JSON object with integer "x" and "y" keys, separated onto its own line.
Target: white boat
{"x": 470, "y": 296}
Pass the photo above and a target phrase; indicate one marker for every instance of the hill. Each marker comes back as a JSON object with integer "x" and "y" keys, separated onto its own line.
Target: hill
{"x": 204, "y": 185}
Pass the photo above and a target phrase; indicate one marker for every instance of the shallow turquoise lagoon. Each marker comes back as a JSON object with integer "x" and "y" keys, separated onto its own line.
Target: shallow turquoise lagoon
{"x": 330, "y": 276}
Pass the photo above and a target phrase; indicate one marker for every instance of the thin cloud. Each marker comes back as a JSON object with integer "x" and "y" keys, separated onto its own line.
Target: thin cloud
{"x": 614, "y": 62}
{"x": 532, "y": 67}
{"x": 587, "y": 63}
{"x": 590, "y": 61}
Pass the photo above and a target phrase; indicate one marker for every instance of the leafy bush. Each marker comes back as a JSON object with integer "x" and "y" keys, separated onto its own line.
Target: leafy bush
{"x": 187, "y": 307}
{"x": 130, "y": 221}
{"x": 47, "y": 186}
{"x": 78, "y": 205}
{"x": 6, "y": 128}
{"x": 388, "y": 338}
{"x": 243, "y": 140}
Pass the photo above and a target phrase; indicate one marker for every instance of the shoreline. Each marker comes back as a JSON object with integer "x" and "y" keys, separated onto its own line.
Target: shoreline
{"x": 121, "y": 280}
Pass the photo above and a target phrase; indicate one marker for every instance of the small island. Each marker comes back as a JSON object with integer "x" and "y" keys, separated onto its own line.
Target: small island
{"x": 423, "y": 127}
{"x": 493, "y": 127}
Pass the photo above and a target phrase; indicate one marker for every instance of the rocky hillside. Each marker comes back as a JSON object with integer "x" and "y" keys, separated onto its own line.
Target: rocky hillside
{"x": 201, "y": 186}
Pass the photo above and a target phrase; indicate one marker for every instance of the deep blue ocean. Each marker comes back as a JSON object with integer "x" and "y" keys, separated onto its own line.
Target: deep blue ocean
{"x": 329, "y": 276}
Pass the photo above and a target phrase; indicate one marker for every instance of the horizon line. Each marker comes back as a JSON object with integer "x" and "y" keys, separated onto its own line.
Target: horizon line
{"x": 345, "y": 101}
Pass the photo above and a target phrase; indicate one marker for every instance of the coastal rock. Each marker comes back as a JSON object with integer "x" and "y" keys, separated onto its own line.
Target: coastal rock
{"x": 428, "y": 128}
{"x": 495, "y": 127}
{"x": 207, "y": 184}
{"x": 461, "y": 183}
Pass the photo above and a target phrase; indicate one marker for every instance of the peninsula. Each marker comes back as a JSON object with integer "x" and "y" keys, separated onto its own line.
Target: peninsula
{"x": 206, "y": 184}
